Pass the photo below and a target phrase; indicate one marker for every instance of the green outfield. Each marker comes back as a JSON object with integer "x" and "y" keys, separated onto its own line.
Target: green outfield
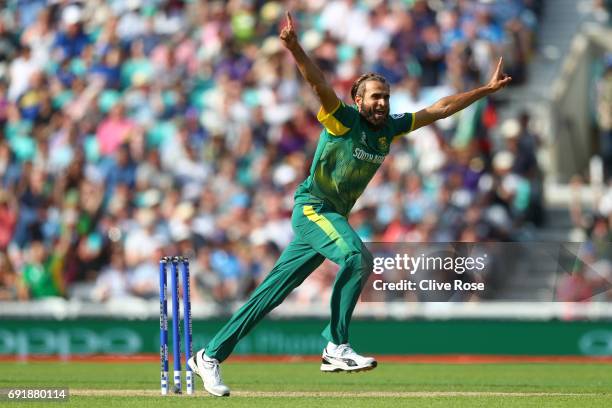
{"x": 302, "y": 385}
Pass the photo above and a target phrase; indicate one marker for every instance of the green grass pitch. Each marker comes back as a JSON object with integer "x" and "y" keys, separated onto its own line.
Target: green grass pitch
{"x": 302, "y": 385}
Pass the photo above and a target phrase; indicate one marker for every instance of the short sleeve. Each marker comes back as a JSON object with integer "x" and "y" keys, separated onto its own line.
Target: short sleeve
{"x": 340, "y": 120}
{"x": 401, "y": 123}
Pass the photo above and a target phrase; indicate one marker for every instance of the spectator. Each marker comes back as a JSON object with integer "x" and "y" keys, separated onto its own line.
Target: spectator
{"x": 72, "y": 39}
{"x": 115, "y": 130}
{"x": 9, "y": 43}
{"x": 9, "y": 287}
{"x": 112, "y": 282}
{"x": 21, "y": 71}
{"x": 9, "y": 212}
{"x": 39, "y": 37}
{"x": 40, "y": 272}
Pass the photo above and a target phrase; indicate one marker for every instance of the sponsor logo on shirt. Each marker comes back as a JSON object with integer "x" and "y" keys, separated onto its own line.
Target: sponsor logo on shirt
{"x": 361, "y": 154}
{"x": 382, "y": 143}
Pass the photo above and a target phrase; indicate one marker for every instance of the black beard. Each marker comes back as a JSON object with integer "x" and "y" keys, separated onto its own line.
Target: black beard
{"x": 368, "y": 114}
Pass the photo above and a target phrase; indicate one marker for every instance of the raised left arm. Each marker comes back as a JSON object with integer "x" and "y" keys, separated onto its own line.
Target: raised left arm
{"x": 454, "y": 103}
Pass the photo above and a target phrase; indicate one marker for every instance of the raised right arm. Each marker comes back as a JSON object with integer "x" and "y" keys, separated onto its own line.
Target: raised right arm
{"x": 311, "y": 73}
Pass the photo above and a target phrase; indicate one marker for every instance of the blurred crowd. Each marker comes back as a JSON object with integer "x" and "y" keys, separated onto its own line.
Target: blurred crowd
{"x": 603, "y": 113}
{"x": 591, "y": 277}
{"x": 135, "y": 129}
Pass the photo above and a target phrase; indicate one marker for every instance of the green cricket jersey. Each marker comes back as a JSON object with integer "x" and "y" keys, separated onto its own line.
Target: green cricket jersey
{"x": 348, "y": 155}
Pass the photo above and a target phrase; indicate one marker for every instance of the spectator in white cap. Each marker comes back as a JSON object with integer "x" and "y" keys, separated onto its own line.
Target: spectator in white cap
{"x": 71, "y": 41}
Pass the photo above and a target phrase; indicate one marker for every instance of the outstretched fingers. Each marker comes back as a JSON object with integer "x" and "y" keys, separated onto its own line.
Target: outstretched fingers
{"x": 498, "y": 70}
{"x": 499, "y": 77}
{"x": 287, "y": 34}
{"x": 289, "y": 21}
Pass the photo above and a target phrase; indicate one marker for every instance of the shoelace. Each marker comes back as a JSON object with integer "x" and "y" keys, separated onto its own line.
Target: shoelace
{"x": 344, "y": 349}
{"x": 216, "y": 370}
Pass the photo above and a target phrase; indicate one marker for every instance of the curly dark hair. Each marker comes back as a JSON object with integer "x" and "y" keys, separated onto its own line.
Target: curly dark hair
{"x": 357, "y": 89}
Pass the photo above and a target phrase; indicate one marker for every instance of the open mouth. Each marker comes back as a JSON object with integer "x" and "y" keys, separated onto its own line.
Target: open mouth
{"x": 380, "y": 114}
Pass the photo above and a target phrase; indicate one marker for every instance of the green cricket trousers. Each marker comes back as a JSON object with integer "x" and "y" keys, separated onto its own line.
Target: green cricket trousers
{"x": 319, "y": 233}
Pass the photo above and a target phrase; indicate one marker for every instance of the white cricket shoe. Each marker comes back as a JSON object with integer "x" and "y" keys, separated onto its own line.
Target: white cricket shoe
{"x": 209, "y": 371}
{"x": 343, "y": 358}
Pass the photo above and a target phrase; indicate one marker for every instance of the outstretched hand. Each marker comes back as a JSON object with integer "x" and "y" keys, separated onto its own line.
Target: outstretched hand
{"x": 499, "y": 79}
{"x": 288, "y": 35}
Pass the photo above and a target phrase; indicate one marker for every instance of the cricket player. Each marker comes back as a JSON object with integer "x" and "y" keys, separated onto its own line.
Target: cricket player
{"x": 352, "y": 146}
